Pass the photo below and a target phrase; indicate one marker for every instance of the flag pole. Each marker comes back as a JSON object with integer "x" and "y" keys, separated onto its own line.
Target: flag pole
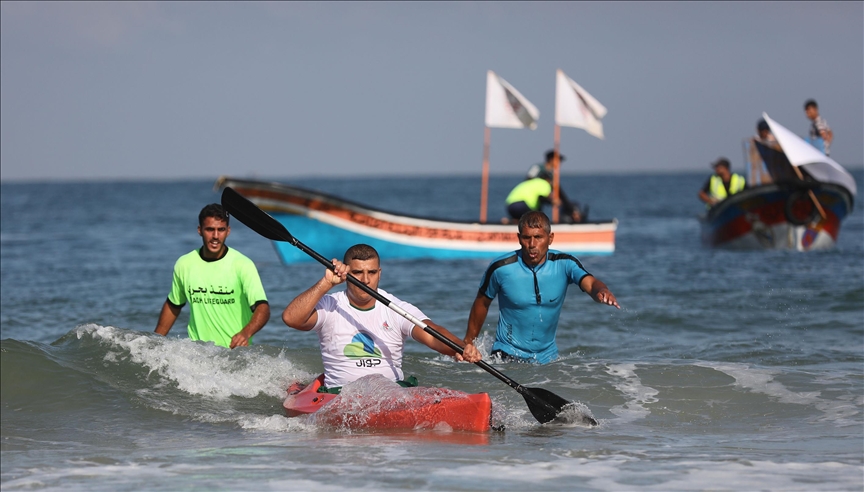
{"x": 556, "y": 177}
{"x": 484, "y": 187}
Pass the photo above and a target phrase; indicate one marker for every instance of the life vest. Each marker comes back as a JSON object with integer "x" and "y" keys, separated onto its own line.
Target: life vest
{"x": 530, "y": 191}
{"x": 718, "y": 190}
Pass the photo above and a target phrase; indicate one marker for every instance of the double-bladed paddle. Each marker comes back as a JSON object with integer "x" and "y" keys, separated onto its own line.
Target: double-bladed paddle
{"x": 544, "y": 405}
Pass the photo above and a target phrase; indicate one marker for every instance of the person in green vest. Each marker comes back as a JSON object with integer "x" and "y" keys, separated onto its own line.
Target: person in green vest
{"x": 534, "y": 193}
{"x": 571, "y": 212}
{"x": 722, "y": 184}
{"x": 228, "y": 303}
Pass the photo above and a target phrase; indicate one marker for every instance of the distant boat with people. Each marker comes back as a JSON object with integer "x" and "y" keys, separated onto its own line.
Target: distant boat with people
{"x": 329, "y": 223}
{"x": 799, "y": 205}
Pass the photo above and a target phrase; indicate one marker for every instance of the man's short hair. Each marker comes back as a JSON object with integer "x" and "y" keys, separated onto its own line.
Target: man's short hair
{"x": 551, "y": 154}
{"x": 360, "y": 252}
{"x": 811, "y": 102}
{"x": 535, "y": 220}
{"x": 722, "y": 161}
{"x": 213, "y": 210}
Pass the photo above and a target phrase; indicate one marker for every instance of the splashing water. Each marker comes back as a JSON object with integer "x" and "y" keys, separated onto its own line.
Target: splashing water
{"x": 575, "y": 414}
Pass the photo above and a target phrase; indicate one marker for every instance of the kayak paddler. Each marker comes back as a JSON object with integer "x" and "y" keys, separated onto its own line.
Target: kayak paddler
{"x": 358, "y": 335}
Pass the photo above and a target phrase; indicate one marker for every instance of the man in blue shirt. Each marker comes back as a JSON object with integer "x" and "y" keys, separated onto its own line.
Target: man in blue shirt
{"x": 530, "y": 285}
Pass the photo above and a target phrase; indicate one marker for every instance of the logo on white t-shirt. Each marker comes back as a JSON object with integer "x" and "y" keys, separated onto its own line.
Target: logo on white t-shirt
{"x": 362, "y": 346}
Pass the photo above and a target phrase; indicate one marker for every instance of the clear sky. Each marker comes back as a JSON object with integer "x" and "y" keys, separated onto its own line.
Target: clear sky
{"x": 102, "y": 90}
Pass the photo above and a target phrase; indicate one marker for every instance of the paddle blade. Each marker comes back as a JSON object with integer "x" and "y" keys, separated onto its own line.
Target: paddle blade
{"x": 253, "y": 217}
{"x": 546, "y": 407}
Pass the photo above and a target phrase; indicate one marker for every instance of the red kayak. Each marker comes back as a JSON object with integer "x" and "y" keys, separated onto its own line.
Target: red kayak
{"x": 373, "y": 402}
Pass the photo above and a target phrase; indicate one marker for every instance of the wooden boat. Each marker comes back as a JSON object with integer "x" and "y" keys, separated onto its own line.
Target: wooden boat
{"x": 387, "y": 406}
{"x": 801, "y": 208}
{"x": 329, "y": 225}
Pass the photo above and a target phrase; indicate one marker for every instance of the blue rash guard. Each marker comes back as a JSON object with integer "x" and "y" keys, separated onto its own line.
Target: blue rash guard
{"x": 530, "y": 302}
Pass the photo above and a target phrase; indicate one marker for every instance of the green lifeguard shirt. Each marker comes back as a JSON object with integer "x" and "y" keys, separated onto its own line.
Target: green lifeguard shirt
{"x": 530, "y": 191}
{"x": 221, "y": 294}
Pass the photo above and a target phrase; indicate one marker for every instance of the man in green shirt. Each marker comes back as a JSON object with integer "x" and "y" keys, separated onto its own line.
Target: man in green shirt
{"x": 223, "y": 286}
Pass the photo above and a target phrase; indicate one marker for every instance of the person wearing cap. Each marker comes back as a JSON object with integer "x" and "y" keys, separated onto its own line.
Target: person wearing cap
{"x": 534, "y": 200}
{"x": 820, "y": 135}
{"x": 722, "y": 184}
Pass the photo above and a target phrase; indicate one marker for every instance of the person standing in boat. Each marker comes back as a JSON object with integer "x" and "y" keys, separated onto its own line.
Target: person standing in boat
{"x": 570, "y": 211}
{"x": 531, "y": 284}
{"x": 759, "y": 174}
{"x": 820, "y": 134}
{"x": 723, "y": 183}
{"x": 358, "y": 335}
{"x": 228, "y": 303}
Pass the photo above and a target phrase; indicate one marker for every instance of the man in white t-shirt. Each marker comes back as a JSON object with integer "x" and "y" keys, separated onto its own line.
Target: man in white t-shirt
{"x": 358, "y": 335}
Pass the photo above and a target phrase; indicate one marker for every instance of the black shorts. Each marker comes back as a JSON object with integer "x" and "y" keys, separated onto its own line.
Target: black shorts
{"x": 518, "y": 209}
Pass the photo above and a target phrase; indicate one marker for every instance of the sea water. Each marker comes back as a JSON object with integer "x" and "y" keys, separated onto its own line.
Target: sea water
{"x": 724, "y": 370}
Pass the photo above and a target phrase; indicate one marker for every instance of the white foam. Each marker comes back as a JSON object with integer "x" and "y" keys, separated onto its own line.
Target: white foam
{"x": 199, "y": 368}
{"x": 622, "y": 472}
{"x": 761, "y": 380}
{"x": 275, "y": 423}
{"x": 638, "y": 395}
{"x": 560, "y": 472}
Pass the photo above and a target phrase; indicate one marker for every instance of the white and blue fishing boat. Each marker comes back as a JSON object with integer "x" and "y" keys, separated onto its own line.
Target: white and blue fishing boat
{"x": 800, "y": 206}
{"x": 330, "y": 224}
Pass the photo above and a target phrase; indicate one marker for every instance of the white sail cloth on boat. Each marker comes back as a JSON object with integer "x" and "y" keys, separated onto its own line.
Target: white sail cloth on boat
{"x": 506, "y": 107}
{"x": 801, "y": 154}
{"x": 576, "y": 108}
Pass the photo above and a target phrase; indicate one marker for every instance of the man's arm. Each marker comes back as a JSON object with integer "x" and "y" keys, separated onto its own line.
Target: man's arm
{"x": 479, "y": 310}
{"x": 568, "y": 207}
{"x": 300, "y": 313}
{"x": 430, "y": 341}
{"x": 598, "y": 291}
{"x": 167, "y": 317}
{"x": 260, "y": 317}
{"x": 703, "y": 193}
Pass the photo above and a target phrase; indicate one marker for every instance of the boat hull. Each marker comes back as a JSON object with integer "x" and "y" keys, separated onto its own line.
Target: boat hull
{"x": 778, "y": 216}
{"x": 391, "y": 408}
{"x": 329, "y": 225}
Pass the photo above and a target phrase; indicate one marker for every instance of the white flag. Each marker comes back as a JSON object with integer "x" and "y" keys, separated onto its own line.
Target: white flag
{"x": 575, "y": 107}
{"x": 802, "y": 154}
{"x": 506, "y": 107}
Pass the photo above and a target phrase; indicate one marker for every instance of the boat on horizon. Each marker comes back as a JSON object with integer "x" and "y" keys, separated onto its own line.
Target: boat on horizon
{"x": 330, "y": 224}
{"x": 801, "y": 207}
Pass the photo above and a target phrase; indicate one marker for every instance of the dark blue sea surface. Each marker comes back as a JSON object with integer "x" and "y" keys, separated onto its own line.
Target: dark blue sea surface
{"x": 724, "y": 370}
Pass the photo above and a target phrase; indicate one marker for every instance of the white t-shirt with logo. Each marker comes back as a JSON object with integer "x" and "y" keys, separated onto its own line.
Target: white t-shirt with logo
{"x": 356, "y": 343}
